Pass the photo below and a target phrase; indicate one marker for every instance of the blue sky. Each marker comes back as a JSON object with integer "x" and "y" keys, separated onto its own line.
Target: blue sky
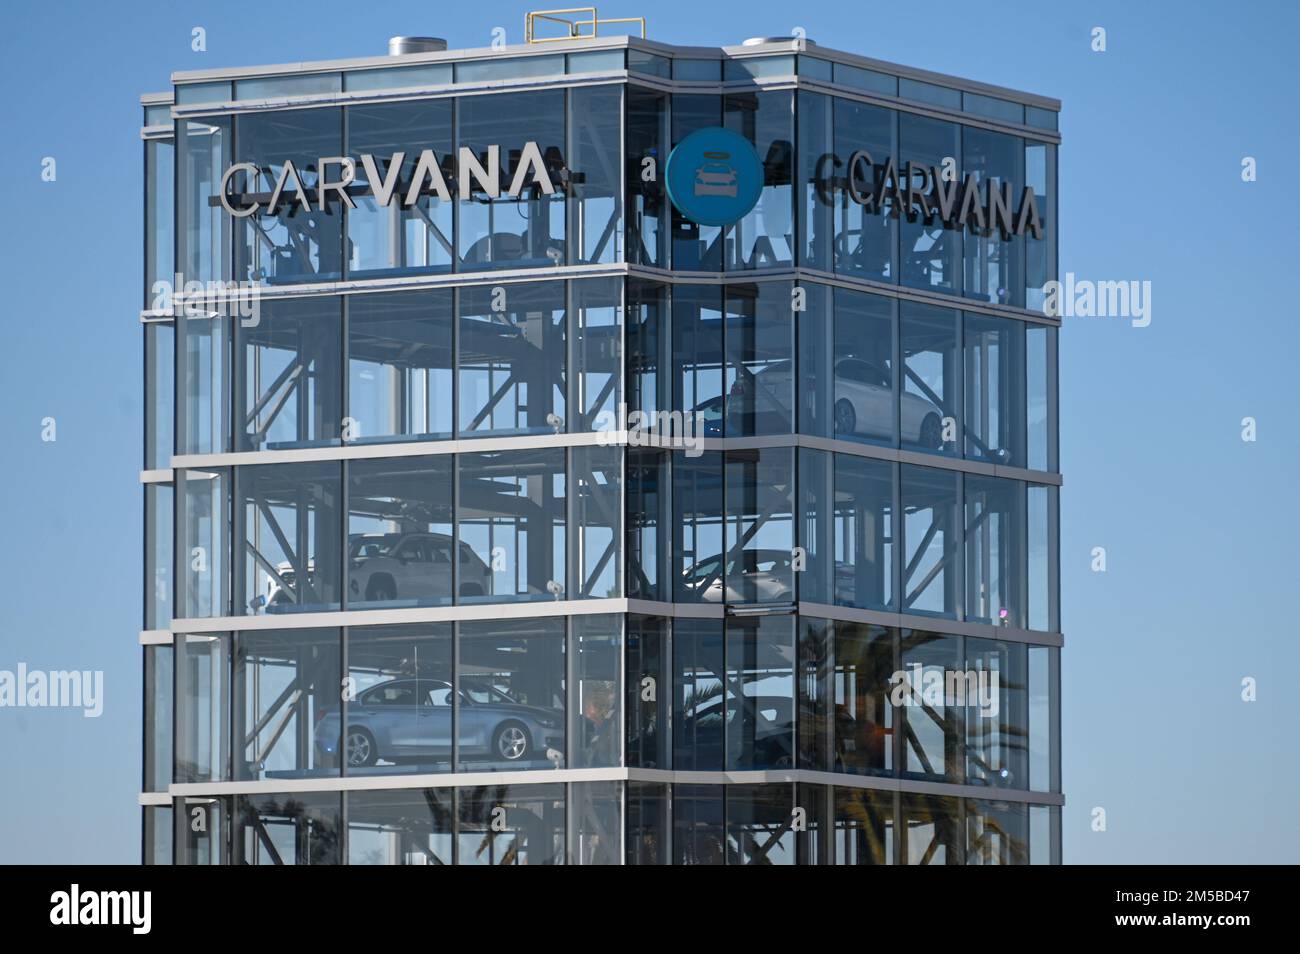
{"x": 1195, "y": 521}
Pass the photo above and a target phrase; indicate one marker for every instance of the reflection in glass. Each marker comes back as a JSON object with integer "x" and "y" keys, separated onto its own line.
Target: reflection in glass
{"x": 648, "y": 209}
{"x": 511, "y": 677}
{"x": 699, "y": 717}
{"x": 594, "y": 709}
{"x": 995, "y": 558}
{"x": 993, "y": 266}
{"x": 598, "y": 353}
{"x": 864, "y": 827}
{"x": 204, "y": 542}
{"x": 995, "y": 389}
{"x": 202, "y": 227}
{"x": 760, "y": 375}
{"x": 698, "y": 828}
{"x": 649, "y": 692}
{"x": 759, "y": 825}
{"x": 403, "y": 827}
{"x": 648, "y": 823}
{"x": 764, "y": 238}
{"x": 864, "y": 532}
{"x": 697, "y": 544}
{"x": 760, "y": 693}
{"x": 997, "y": 721}
{"x": 511, "y": 825}
{"x": 698, "y": 359}
{"x": 817, "y": 168}
{"x": 997, "y": 833}
{"x": 760, "y": 531}
{"x": 931, "y": 253}
{"x": 297, "y": 829}
{"x": 595, "y": 205}
{"x": 598, "y": 529}
{"x": 865, "y": 239}
{"x": 931, "y": 723}
{"x": 931, "y": 830}
{"x": 202, "y": 745}
{"x": 596, "y": 836}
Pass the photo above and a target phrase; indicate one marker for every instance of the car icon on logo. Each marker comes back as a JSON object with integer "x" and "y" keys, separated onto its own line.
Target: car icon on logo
{"x": 716, "y": 176}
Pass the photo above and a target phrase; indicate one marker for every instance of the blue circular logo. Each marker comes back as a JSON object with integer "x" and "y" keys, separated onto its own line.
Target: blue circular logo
{"x": 714, "y": 176}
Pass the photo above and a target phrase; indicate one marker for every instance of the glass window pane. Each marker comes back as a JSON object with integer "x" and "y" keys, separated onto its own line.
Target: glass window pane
{"x": 647, "y": 154}
{"x": 757, "y": 67}
{"x": 523, "y": 229}
{"x": 512, "y": 359}
{"x": 1042, "y": 819}
{"x": 397, "y": 239}
{"x": 860, "y": 715}
{"x": 1043, "y": 706}
{"x": 760, "y": 374}
{"x": 760, "y": 530}
{"x": 286, "y": 703}
{"x": 159, "y": 535}
{"x": 516, "y": 67}
{"x": 297, "y": 829}
{"x": 595, "y": 61}
{"x": 404, "y": 827}
{"x": 1039, "y": 509}
{"x": 932, "y": 724}
{"x": 814, "y": 525}
{"x": 400, "y": 541}
{"x": 1040, "y": 253}
{"x": 596, "y": 837}
{"x": 598, "y": 509}
{"x": 699, "y": 717}
{"x": 697, "y": 544}
{"x": 192, "y": 94}
{"x": 292, "y": 538}
{"x": 815, "y": 359}
{"x": 648, "y": 373}
{"x": 297, "y": 241}
{"x": 598, "y": 353}
{"x": 1000, "y": 109}
{"x": 760, "y": 693}
{"x": 202, "y": 744}
{"x": 931, "y": 253}
{"x": 930, "y": 339}
{"x": 995, "y": 389}
{"x": 203, "y": 390}
{"x": 511, "y": 514}
{"x": 511, "y": 825}
{"x": 993, "y": 264}
{"x": 512, "y": 694}
{"x": 997, "y": 833}
{"x": 864, "y": 368}
{"x": 400, "y": 702}
{"x": 157, "y": 835}
{"x": 695, "y": 247}
{"x": 1042, "y": 118}
{"x": 698, "y": 356}
{"x": 640, "y": 61}
{"x": 699, "y": 831}
{"x": 428, "y": 74}
{"x": 931, "y": 830}
{"x": 1037, "y": 385}
{"x": 268, "y": 87}
{"x": 596, "y": 203}
{"x": 870, "y": 80}
{"x": 649, "y": 692}
{"x": 649, "y": 519}
{"x": 995, "y": 559}
{"x": 291, "y": 366}
{"x": 864, "y": 532}
{"x": 203, "y": 548}
{"x": 595, "y": 711}
{"x": 202, "y": 226}
{"x": 864, "y": 827}
{"x": 865, "y": 240}
{"x": 648, "y": 823}
{"x": 813, "y": 68}
{"x": 159, "y": 215}
{"x": 158, "y": 689}
{"x": 399, "y": 366}
{"x": 816, "y": 173}
{"x": 764, "y": 238}
{"x": 929, "y": 93}
{"x": 931, "y": 536}
{"x": 759, "y": 825}
{"x": 160, "y": 393}
{"x": 996, "y": 694}
{"x": 697, "y": 70}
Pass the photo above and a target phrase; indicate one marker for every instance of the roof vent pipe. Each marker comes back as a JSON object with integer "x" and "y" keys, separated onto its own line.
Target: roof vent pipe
{"x": 402, "y": 45}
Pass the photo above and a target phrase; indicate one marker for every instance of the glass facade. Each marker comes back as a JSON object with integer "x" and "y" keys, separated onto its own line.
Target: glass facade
{"x": 514, "y": 468}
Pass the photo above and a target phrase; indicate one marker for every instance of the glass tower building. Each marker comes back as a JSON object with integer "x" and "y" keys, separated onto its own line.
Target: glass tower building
{"x": 497, "y": 511}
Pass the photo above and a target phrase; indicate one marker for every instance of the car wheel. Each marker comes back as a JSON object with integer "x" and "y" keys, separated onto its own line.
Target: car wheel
{"x": 931, "y": 432}
{"x": 359, "y": 748}
{"x": 511, "y": 742}
{"x": 846, "y": 419}
{"x": 380, "y": 591}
